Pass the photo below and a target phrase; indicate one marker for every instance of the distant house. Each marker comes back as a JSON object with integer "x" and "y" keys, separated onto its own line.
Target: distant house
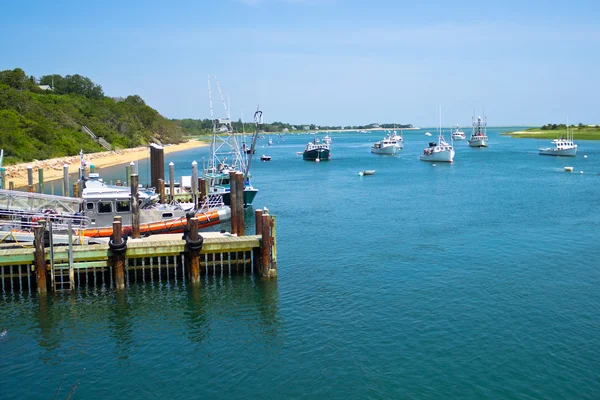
{"x": 45, "y": 87}
{"x": 306, "y": 127}
{"x": 286, "y": 130}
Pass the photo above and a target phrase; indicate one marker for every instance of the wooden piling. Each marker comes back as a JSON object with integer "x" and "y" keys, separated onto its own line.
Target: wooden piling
{"x": 194, "y": 254}
{"x": 11, "y": 185}
{"x": 161, "y": 191}
{"x": 40, "y": 259}
{"x": 203, "y": 189}
{"x": 171, "y": 181}
{"x": 265, "y": 246}
{"x": 40, "y": 180}
{"x": 273, "y": 243}
{"x": 30, "y": 187}
{"x": 75, "y": 189}
{"x": 118, "y": 259}
{"x": 128, "y": 175}
{"x": 157, "y": 164}
{"x": 233, "y": 202}
{"x": 135, "y": 207}
{"x": 239, "y": 187}
{"x": 256, "y": 254}
{"x": 66, "y": 186}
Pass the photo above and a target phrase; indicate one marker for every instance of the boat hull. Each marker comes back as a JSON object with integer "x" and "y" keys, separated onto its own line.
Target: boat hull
{"x": 478, "y": 142}
{"x": 316, "y": 154}
{"x": 442, "y": 156}
{"x": 458, "y": 138}
{"x": 387, "y": 150}
{"x": 572, "y": 152}
{"x": 249, "y": 195}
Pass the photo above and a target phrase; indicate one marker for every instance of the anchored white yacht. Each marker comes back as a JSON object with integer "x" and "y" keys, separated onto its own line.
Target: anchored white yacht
{"x": 458, "y": 134}
{"x": 561, "y": 146}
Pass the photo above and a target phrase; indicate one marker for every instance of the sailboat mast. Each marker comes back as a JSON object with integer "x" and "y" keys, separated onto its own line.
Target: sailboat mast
{"x": 213, "y": 143}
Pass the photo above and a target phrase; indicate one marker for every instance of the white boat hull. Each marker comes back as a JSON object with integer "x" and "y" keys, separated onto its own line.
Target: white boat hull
{"x": 387, "y": 150}
{"x": 478, "y": 142}
{"x": 456, "y": 138}
{"x": 440, "y": 156}
{"x": 571, "y": 152}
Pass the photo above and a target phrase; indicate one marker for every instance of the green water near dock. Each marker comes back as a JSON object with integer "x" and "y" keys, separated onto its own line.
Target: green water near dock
{"x": 473, "y": 280}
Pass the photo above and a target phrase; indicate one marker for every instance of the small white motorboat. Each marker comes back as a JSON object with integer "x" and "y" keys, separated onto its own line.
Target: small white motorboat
{"x": 265, "y": 158}
{"x": 427, "y": 134}
{"x": 367, "y": 172}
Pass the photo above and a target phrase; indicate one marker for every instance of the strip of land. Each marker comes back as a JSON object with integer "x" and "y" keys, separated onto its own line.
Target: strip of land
{"x": 53, "y": 168}
{"x": 579, "y": 133}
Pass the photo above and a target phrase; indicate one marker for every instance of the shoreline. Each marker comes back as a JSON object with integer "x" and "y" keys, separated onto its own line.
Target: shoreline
{"x": 53, "y": 168}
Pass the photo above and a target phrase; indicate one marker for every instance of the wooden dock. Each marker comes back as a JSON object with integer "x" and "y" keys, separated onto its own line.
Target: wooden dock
{"x": 155, "y": 258}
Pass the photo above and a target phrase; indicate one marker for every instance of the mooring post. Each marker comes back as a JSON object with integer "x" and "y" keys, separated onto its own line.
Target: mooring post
{"x": 128, "y": 175}
{"x": 203, "y": 189}
{"x": 135, "y": 208}
{"x": 195, "y": 183}
{"x": 239, "y": 186}
{"x": 256, "y": 254}
{"x": 3, "y": 178}
{"x": 161, "y": 191}
{"x": 30, "y": 179}
{"x": 11, "y": 185}
{"x": 194, "y": 254}
{"x": 233, "y": 202}
{"x": 66, "y": 187}
{"x": 171, "y": 181}
{"x": 40, "y": 258}
{"x": 92, "y": 168}
{"x": 75, "y": 189}
{"x": 265, "y": 245}
{"x": 118, "y": 256}
{"x": 273, "y": 244}
{"x": 40, "y": 180}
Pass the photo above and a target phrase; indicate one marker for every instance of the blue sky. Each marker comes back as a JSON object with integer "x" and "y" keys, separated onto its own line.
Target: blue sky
{"x": 337, "y": 62}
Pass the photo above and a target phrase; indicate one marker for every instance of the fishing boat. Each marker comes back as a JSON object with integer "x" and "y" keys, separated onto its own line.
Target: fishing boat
{"x": 563, "y": 146}
{"x": 386, "y": 146}
{"x": 458, "y": 134}
{"x": 327, "y": 140}
{"x": 315, "y": 151}
{"x": 226, "y": 155}
{"x": 479, "y": 134}
{"x": 270, "y": 142}
{"x": 440, "y": 151}
{"x": 398, "y": 139}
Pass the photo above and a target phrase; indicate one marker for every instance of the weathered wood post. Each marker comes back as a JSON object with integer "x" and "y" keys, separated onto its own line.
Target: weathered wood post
{"x": 41, "y": 180}
{"x": 40, "y": 259}
{"x": 11, "y": 185}
{"x": 171, "y": 181}
{"x": 203, "y": 189}
{"x": 233, "y": 202}
{"x": 194, "y": 254}
{"x": 195, "y": 182}
{"x": 265, "y": 245}
{"x": 3, "y": 178}
{"x": 66, "y": 186}
{"x": 75, "y": 189}
{"x": 30, "y": 187}
{"x": 256, "y": 254}
{"x": 116, "y": 245}
{"x": 128, "y": 175}
{"x": 161, "y": 191}
{"x": 135, "y": 208}
{"x": 274, "y": 244}
{"x": 239, "y": 187}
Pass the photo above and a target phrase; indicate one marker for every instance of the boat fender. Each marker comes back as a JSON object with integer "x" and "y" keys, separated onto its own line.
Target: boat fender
{"x": 194, "y": 245}
{"x": 120, "y": 248}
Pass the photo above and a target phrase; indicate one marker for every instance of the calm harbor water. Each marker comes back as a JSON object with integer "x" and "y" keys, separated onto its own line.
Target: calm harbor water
{"x": 472, "y": 280}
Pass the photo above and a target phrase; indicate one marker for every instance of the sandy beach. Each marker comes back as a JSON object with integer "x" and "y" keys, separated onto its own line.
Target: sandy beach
{"x": 53, "y": 168}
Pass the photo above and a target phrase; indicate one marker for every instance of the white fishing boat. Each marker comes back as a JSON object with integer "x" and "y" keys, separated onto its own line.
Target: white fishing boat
{"x": 386, "y": 146}
{"x": 440, "y": 151}
{"x": 327, "y": 140}
{"x": 270, "y": 142}
{"x": 561, "y": 147}
{"x": 398, "y": 139}
{"x": 458, "y": 134}
{"x": 479, "y": 134}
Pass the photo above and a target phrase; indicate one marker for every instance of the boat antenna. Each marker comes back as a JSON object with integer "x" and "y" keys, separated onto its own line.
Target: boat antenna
{"x": 222, "y": 99}
{"x": 258, "y": 120}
